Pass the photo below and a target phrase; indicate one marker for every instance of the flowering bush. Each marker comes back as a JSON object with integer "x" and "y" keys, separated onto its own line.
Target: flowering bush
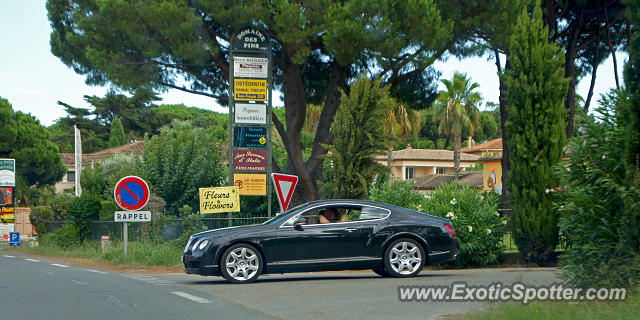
{"x": 60, "y": 206}
{"x": 475, "y": 219}
{"x": 400, "y": 193}
{"x": 474, "y": 215}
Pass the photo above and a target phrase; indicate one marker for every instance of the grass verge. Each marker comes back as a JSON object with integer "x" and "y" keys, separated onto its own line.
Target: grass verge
{"x": 627, "y": 309}
{"x": 138, "y": 253}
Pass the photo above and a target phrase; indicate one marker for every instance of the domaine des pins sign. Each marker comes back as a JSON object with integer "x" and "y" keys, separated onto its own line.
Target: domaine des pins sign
{"x": 247, "y": 160}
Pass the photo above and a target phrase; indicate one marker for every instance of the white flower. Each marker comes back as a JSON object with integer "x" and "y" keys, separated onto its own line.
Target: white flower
{"x": 504, "y": 221}
{"x": 453, "y": 201}
{"x": 604, "y": 157}
{"x": 470, "y": 228}
{"x": 481, "y": 197}
{"x": 488, "y": 231}
{"x": 420, "y": 207}
{"x": 427, "y": 196}
{"x": 497, "y": 214}
{"x": 450, "y": 214}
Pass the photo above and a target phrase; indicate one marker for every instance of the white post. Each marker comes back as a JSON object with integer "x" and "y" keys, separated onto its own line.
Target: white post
{"x": 125, "y": 237}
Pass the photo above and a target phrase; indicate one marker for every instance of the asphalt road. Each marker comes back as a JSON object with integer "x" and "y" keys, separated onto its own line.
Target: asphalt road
{"x": 45, "y": 288}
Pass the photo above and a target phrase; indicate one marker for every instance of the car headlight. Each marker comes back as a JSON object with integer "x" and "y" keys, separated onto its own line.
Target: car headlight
{"x": 203, "y": 244}
{"x": 199, "y": 244}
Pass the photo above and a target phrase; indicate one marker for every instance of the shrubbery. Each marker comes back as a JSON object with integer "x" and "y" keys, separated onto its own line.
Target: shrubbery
{"x": 475, "y": 219}
{"x": 67, "y": 236}
{"x": 39, "y": 217}
{"x": 473, "y": 215}
{"x": 599, "y": 206}
{"x": 399, "y": 192}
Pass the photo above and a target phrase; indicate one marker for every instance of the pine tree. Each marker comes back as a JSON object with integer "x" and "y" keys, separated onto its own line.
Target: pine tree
{"x": 536, "y": 88}
{"x": 358, "y": 131}
{"x": 117, "y": 138}
{"x": 630, "y": 114}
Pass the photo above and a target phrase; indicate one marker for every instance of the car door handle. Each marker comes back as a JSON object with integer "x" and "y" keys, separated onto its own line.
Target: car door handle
{"x": 350, "y": 229}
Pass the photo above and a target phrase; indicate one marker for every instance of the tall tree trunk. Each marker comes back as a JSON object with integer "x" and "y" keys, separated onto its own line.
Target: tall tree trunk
{"x": 504, "y": 115}
{"x": 594, "y": 70}
{"x": 389, "y": 160}
{"x": 294, "y": 99}
{"x": 457, "y": 141}
{"x": 309, "y": 172}
{"x": 570, "y": 72}
{"x": 337, "y": 82}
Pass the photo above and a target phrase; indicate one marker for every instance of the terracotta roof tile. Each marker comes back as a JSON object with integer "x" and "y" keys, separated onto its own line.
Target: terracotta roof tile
{"x": 472, "y": 178}
{"x": 137, "y": 147}
{"x": 495, "y": 144}
{"x": 426, "y": 154}
{"x": 69, "y": 159}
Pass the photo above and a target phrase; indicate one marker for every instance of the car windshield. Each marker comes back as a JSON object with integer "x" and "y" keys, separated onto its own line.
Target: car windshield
{"x": 289, "y": 213}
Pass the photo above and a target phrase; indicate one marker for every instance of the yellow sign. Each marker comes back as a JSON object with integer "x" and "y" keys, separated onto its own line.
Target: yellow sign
{"x": 222, "y": 199}
{"x": 251, "y": 184}
{"x": 492, "y": 175}
{"x": 250, "y": 89}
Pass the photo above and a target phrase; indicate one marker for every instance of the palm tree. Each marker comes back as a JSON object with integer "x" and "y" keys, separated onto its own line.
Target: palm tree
{"x": 456, "y": 109}
{"x": 402, "y": 122}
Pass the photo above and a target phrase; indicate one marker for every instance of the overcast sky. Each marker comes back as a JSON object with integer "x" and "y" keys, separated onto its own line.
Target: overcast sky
{"x": 33, "y": 79}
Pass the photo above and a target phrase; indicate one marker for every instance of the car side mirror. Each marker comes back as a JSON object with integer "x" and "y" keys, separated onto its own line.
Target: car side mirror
{"x": 298, "y": 223}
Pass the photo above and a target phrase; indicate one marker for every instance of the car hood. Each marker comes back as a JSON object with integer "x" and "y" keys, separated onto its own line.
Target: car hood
{"x": 224, "y": 232}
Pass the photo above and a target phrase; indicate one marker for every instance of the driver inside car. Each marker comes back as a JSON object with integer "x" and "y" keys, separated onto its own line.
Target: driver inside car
{"x": 331, "y": 215}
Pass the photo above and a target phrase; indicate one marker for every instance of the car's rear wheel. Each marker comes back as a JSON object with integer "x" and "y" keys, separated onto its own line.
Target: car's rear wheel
{"x": 241, "y": 263}
{"x": 404, "y": 258}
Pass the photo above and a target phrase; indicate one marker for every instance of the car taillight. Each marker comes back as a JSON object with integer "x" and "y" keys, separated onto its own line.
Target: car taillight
{"x": 450, "y": 229}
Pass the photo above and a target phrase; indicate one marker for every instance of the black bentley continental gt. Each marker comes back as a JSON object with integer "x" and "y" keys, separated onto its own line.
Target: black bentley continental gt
{"x": 322, "y": 236}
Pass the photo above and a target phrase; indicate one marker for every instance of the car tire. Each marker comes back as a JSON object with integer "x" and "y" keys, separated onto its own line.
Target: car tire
{"x": 404, "y": 258}
{"x": 381, "y": 272}
{"x": 241, "y": 263}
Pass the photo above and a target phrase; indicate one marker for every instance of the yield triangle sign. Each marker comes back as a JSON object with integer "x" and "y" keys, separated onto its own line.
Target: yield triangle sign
{"x": 285, "y": 184}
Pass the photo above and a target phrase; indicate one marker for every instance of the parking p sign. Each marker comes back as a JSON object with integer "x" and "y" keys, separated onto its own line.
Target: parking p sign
{"x": 14, "y": 239}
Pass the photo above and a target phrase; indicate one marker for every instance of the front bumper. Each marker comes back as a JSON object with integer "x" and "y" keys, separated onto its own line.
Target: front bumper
{"x": 193, "y": 265}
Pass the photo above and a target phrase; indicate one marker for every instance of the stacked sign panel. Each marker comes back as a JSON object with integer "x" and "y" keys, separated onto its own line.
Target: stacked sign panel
{"x": 7, "y": 190}
{"x": 250, "y": 115}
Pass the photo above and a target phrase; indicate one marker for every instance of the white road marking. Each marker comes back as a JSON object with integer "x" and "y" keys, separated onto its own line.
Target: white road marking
{"x": 59, "y": 265}
{"x": 33, "y": 260}
{"x": 148, "y": 279}
{"x": 190, "y": 297}
{"x": 117, "y": 301}
{"x": 95, "y": 271}
{"x": 6, "y": 256}
{"x": 79, "y": 282}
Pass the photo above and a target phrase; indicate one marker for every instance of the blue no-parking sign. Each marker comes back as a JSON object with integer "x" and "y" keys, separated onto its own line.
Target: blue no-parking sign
{"x": 131, "y": 193}
{"x": 14, "y": 239}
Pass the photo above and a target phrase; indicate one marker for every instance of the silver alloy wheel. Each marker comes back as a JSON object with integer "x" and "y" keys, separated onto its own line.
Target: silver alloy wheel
{"x": 405, "y": 257}
{"x": 242, "y": 263}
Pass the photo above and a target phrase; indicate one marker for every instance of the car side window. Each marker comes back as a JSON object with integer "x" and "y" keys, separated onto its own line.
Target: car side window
{"x": 370, "y": 213}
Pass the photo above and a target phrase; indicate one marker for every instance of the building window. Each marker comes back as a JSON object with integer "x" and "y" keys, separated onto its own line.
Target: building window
{"x": 409, "y": 173}
{"x": 71, "y": 176}
{"x": 441, "y": 170}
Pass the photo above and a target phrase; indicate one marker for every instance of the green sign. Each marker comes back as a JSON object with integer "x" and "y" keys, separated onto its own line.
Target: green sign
{"x": 7, "y": 172}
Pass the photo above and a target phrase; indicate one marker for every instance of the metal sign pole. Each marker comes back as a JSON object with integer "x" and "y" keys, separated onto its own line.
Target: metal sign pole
{"x": 251, "y": 58}
{"x": 125, "y": 237}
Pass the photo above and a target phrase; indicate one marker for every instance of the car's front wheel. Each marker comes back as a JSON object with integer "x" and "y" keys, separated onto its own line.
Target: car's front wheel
{"x": 241, "y": 263}
{"x": 404, "y": 258}
{"x": 381, "y": 272}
